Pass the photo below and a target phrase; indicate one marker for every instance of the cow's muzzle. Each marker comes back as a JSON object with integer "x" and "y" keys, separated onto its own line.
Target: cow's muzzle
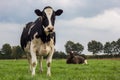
{"x": 50, "y": 29}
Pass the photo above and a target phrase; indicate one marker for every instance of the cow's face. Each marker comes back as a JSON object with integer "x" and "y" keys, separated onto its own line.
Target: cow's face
{"x": 48, "y": 18}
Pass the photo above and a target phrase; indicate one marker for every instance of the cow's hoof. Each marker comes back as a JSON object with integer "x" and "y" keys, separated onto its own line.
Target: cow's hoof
{"x": 33, "y": 75}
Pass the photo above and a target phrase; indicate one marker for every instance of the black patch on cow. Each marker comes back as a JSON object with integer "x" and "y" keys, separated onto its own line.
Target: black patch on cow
{"x": 25, "y": 36}
{"x": 45, "y": 21}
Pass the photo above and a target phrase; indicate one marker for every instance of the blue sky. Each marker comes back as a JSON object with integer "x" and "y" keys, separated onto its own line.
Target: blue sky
{"x": 81, "y": 21}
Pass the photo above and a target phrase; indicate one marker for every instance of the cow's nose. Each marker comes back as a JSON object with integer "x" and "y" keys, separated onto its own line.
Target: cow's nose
{"x": 50, "y": 28}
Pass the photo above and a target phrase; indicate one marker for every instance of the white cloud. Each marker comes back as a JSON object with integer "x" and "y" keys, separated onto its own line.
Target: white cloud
{"x": 102, "y": 27}
{"x": 10, "y": 33}
{"x": 109, "y": 19}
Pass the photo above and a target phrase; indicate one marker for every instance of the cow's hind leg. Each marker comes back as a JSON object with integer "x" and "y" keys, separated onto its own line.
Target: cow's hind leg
{"x": 40, "y": 61}
{"x": 29, "y": 61}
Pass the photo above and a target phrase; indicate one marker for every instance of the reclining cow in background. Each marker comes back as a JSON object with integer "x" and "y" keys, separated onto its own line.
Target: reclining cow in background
{"x": 38, "y": 38}
{"x": 75, "y": 59}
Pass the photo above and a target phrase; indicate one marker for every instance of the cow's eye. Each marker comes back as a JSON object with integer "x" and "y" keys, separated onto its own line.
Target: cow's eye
{"x": 45, "y": 19}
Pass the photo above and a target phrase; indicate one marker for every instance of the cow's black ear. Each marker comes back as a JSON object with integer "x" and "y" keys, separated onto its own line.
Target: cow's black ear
{"x": 38, "y": 12}
{"x": 58, "y": 12}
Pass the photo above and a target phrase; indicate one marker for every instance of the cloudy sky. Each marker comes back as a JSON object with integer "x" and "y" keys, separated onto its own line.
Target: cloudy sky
{"x": 81, "y": 21}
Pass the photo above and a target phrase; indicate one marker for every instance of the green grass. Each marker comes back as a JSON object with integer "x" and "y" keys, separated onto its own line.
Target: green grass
{"x": 95, "y": 70}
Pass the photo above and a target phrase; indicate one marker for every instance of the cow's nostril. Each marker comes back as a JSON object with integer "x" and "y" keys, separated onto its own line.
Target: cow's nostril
{"x": 48, "y": 28}
{"x": 52, "y": 28}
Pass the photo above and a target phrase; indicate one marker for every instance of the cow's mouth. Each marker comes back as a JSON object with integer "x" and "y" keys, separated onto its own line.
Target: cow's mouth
{"x": 50, "y": 31}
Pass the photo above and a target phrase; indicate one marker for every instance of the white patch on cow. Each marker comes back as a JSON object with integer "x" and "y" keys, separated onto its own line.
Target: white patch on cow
{"x": 46, "y": 48}
{"x": 31, "y": 28}
{"x": 33, "y": 71}
{"x": 85, "y": 61}
{"x": 42, "y": 48}
{"x": 49, "y": 13}
{"x": 48, "y": 71}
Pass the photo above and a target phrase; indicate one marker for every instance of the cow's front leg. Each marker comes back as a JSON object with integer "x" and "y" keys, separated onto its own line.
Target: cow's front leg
{"x": 33, "y": 58}
{"x": 49, "y": 60}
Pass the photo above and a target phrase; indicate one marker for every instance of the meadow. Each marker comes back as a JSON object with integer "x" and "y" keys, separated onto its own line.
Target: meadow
{"x": 96, "y": 69}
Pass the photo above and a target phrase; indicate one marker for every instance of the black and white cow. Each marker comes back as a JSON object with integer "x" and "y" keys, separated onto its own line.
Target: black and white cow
{"x": 38, "y": 38}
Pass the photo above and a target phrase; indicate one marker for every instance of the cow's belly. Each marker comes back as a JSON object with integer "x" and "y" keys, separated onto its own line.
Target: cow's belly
{"x": 41, "y": 48}
{"x": 44, "y": 49}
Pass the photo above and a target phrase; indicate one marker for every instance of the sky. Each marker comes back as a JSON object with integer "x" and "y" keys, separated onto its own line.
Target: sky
{"x": 81, "y": 21}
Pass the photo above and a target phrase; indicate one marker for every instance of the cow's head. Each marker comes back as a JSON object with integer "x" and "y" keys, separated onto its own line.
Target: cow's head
{"x": 72, "y": 54}
{"x": 48, "y": 18}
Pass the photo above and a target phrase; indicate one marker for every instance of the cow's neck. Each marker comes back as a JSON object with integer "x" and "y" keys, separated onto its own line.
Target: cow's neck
{"x": 45, "y": 38}
{"x": 41, "y": 33}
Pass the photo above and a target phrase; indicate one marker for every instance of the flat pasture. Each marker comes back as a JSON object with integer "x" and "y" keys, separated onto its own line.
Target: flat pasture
{"x": 96, "y": 69}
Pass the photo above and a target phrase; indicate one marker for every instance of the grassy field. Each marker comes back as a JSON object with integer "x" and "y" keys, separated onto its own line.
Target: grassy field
{"x": 95, "y": 70}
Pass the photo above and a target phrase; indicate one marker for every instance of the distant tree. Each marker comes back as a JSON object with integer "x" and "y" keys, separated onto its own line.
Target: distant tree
{"x": 56, "y": 55}
{"x": 76, "y": 47}
{"x": 17, "y": 52}
{"x": 111, "y": 48}
{"x": 0, "y": 54}
{"x": 114, "y": 47}
{"x": 6, "y": 51}
{"x": 118, "y": 46}
{"x": 95, "y": 47}
{"x": 68, "y": 46}
{"x": 108, "y": 48}
{"x": 59, "y": 55}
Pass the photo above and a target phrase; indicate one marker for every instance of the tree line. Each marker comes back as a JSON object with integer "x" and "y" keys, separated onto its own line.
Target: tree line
{"x": 15, "y": 52}
{"x": 8, "y": 52}
{"x": 109, "y": 48}
{"x": 96, "y": 47}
